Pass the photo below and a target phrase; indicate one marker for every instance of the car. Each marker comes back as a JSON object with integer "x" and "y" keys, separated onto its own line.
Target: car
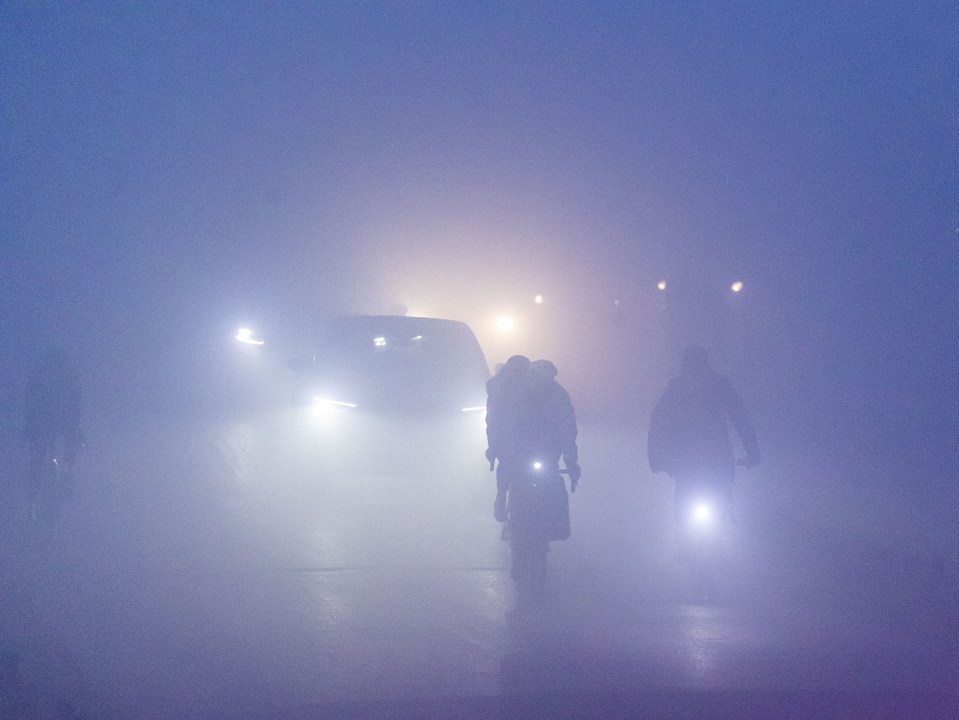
{"x": 396, "y": 389}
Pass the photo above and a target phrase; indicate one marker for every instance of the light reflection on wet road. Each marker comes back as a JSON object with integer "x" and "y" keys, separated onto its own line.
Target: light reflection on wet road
{"x": 213, "y": 565}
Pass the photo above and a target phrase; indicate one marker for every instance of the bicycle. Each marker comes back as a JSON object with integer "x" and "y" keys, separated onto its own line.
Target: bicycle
{"x": 537, "y": 512}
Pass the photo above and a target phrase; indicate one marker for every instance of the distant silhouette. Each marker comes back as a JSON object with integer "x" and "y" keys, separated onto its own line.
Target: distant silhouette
{"x": 52, "y": 412}
{"x": 688, "y": 434}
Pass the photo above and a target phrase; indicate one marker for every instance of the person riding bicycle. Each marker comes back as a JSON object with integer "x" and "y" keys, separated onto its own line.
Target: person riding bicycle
{"x": 528, "y": 413}
{"x": 52, "y": 412}
{"x": 542, "y": 432}
{"x": 688, "y": 433}
{"x": 550, "y": 431}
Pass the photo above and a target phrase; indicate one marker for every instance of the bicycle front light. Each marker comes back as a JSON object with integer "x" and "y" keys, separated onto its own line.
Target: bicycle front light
{"x": 703, "y": 514}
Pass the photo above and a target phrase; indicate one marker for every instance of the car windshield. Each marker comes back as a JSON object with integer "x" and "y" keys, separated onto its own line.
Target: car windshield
{"x": 409, "y": 359}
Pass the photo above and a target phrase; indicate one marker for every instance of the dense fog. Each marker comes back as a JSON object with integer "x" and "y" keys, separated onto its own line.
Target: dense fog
{"x": 601, "y": 186}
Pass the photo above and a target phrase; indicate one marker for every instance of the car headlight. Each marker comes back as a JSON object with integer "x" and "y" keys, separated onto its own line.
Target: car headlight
{"x": 325, "y": 406}
{"x": 248, "y": 337}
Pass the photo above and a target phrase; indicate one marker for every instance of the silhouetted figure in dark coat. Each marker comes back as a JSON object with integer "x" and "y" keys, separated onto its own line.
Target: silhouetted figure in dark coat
{"x": 549, "y": 431}
{"x": 529, "y": 416}
{"x": 689, "y": 435}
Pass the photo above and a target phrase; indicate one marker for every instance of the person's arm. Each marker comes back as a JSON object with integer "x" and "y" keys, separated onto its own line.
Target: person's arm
{"x": 490, "y": 421}
{"x": 657, "y": 438}
{"x": 492, "y": 424}
{"x": 568, "y": 435}
{"x": 744, "y": 427}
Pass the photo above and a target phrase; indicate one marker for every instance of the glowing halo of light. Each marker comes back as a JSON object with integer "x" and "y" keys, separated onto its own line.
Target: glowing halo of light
{"x": 325, "y": 407}
{"x": 245, "y": 335}
{"x": 737, "y": 286}
{"x": 702, "y": 513}
{"x": 505, "y": 324}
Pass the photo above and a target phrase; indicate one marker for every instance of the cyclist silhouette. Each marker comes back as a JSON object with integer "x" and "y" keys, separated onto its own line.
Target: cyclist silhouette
{"x": 688, "y": 434}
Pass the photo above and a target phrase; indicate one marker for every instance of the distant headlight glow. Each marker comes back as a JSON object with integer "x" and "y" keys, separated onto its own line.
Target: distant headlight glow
{"x": 324, "y": 406}
{"x": 248, "y": 337}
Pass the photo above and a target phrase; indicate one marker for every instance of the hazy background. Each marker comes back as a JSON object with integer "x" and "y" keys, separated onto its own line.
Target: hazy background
{"x": 171, "y": 172}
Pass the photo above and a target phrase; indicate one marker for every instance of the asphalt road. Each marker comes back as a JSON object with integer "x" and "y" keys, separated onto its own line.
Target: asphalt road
{"x": 212, "y": 567}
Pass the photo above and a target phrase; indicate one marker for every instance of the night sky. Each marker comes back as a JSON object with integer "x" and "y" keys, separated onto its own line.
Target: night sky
{"x": 168, "y": 171}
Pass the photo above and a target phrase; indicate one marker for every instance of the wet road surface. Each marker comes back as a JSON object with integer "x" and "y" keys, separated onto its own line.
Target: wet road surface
{"x": 214, "y": 568}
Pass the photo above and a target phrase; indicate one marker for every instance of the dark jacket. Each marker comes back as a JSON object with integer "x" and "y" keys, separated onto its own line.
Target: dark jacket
{"x": 549, "y": 427}
{"x": 505, "y": 412}
{"x": 688, "y": 431}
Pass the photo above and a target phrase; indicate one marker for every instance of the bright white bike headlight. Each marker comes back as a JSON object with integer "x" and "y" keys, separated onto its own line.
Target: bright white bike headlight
{"x": 703, "y": 514}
